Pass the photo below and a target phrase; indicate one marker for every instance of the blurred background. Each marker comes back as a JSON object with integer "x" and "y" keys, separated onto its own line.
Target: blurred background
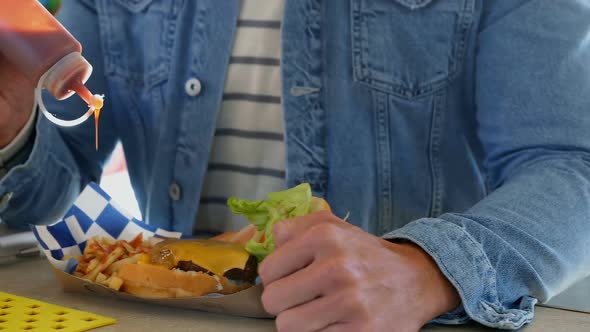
{"x": 115, "y": 181}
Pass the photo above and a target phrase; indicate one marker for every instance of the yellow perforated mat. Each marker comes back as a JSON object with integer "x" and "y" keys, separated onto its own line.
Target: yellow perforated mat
{"x": 19, "y": 313}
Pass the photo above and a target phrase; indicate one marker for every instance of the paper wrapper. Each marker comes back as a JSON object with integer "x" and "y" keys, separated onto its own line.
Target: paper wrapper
{"x": 95, "y": 214}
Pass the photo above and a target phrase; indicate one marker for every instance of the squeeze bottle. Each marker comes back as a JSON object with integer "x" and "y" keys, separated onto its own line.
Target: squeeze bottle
{"x": 33, "y": 41}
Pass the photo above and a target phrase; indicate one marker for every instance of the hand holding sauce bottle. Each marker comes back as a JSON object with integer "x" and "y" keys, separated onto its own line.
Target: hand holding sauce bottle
{"x": 37, "y": 45}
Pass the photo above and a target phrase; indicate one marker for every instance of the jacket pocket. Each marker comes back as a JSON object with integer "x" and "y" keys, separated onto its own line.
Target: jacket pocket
{"x": 138, "y": 38}
{"x": 409, "y": 48}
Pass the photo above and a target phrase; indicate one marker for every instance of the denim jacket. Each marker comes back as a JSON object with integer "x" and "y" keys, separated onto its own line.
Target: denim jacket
{"x": 460, "y": 125}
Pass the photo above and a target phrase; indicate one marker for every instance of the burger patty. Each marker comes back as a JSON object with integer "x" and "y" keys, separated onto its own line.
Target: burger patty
{"x": 190, "y": 266}
{"x": 248, "y": 274}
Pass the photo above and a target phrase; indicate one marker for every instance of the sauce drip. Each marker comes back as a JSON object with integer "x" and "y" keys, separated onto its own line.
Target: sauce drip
{"x": 95, "y": 104}
{"x": 96, "y": 116}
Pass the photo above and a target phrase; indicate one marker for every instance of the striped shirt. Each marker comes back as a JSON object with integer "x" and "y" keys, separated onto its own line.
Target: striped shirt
{"x": 248, "y": 154}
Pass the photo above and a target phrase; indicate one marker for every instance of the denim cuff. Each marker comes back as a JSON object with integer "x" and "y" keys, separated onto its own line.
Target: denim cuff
{"x": 465, "y": 264}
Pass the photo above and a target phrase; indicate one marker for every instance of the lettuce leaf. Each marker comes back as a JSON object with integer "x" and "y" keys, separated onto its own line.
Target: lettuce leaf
{"x": 290, "y": 203}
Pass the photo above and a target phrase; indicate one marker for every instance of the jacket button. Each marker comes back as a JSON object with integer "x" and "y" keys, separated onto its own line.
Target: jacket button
{"x": 192, "y": 87}
{"x": 5, "y": 198}
{"x": 174, "y": 191}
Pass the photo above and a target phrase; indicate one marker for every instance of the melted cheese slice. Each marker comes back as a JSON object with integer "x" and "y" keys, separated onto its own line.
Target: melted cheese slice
{"x": 215, "y": 256}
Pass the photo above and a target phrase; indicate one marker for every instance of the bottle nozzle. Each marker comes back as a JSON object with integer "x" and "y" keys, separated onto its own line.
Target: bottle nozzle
{"x": 96, "y": 102}
{"x": 63, "y": 79}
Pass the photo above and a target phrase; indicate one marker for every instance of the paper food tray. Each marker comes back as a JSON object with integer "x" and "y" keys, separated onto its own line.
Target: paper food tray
{"x": 95, "y": 214}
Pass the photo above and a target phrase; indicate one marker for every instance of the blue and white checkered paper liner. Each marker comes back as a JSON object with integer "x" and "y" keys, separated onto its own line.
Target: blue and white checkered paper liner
{"x": 93, "y": 214}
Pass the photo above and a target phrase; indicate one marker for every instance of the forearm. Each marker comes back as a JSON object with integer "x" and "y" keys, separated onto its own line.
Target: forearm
{"x": 526, "y": 241}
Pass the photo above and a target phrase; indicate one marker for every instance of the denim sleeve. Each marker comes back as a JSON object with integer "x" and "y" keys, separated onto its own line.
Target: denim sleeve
{"x": 529, "y": 239}
{"x": 61, "y": 160}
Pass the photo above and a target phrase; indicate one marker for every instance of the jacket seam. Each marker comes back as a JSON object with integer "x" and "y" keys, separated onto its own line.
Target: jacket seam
{"x": 434, "y": 157}
{"x": 384, "y": 176}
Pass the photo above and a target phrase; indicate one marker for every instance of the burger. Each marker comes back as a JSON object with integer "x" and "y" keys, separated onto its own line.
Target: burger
{"x": 225, "y": 264}
{"x": 188, "y": 268}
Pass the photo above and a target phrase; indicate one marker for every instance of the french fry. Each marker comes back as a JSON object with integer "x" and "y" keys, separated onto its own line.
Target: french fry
{"x": 100, "y": 278}
{"x": 117, "y": 265}
{"x": 127, "y": 246}
{"x": 92, "y": 265}
{"x": 115, "y": 282}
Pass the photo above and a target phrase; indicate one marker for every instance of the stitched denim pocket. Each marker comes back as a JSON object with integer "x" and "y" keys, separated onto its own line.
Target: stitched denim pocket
{"x": 138, "y": 38}
{"x": 409, "y": 48}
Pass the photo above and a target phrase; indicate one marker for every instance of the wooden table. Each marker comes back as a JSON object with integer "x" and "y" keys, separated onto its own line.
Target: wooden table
{"x": 33, "y": 278}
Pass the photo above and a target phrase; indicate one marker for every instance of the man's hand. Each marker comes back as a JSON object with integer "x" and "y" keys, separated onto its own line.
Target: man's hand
{"x": 327, "y": 275}
{"x": 16, "y": 101}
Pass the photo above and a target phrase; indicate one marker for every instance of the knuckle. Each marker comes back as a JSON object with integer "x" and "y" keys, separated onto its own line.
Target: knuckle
{"x": 285, "y": 322}
{"x": 367, "y": 326}
{"x": 324, "y": 215}
{"x": 347, "y": 273}
{"x": 333, "y": 266}
{"x": 326, "y": 232}
{"x": 358, "y": 303}
{"x": 354, "y": 298}
{"x": 355, "y": 328}
{"x": 323, "y": 228}
{"x": 341, "y": 271}
{"x": 268, "y": 301}
{"x": 363, "y": 313}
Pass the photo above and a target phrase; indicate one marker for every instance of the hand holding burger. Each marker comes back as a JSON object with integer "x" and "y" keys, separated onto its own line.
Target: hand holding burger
{"x": 321, "y": 273}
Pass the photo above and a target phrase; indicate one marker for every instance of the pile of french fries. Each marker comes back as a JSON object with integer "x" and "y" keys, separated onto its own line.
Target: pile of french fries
{"x": 103, "y": 257}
